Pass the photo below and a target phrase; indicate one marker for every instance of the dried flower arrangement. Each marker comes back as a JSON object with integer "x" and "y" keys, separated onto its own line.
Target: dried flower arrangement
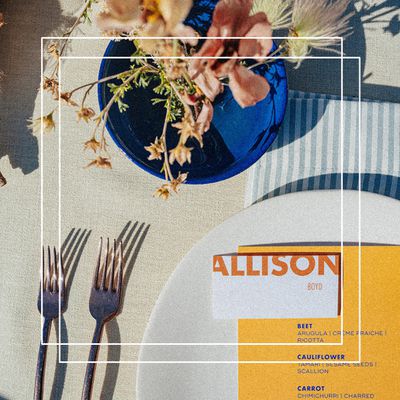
{"x": 187, "y": 87}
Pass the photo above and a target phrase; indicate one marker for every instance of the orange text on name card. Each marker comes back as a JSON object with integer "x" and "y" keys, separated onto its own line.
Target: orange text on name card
{"x": 278, "y": 265}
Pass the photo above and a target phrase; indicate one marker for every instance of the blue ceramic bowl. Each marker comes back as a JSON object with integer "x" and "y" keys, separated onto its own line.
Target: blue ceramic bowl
{"x": 237, "y": 137}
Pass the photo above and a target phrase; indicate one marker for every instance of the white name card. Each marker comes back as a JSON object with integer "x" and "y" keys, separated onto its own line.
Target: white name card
{"x": 276, "y": 285}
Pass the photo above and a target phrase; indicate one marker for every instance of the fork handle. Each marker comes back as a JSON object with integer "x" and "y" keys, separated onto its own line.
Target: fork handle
{"x": 91, "y": 366}
{"x": 41, "y": 362}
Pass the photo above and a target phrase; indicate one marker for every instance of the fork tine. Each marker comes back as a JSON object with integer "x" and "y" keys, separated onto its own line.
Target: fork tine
{"x": 120, "y": 267}
{"x": 61, "y": 281}
{"x": 42, "y": 274}
{"x": 105, "y": 266}
{"x": 55, "y": 271}
{"x": 114, "y": 255}
{"x": 96, "y": 272}
{"x": 47, "y": 287}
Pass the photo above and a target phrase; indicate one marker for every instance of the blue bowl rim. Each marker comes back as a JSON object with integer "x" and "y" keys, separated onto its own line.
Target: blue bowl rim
{"x": 230, "y": 172}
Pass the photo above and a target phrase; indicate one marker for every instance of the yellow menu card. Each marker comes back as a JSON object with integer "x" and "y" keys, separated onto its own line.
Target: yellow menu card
{"x": 355, "y": 356}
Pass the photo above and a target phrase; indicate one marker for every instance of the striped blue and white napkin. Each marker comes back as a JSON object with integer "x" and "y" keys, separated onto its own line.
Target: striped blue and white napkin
{"x": 306, "y": 154}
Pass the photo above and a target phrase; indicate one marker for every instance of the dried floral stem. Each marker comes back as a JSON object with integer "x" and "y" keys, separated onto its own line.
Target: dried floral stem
{"x": 281, "y": 49}
{"x": 188, "y": 80}
{"x": 86, "y": 94}
{"x": 107, "y": 78}
{"x": 106, "y": 109}
{"x": 102, "y": 117}
{"x": 189, "y": 102}
{"x": 176, "y": 91}
{"x": 149, "y": 66}
{"x": 167, "y": 168}
{"x": 92, "y": 84}
{"x": 67, "y": 34}
{"x": 78, "y": 19}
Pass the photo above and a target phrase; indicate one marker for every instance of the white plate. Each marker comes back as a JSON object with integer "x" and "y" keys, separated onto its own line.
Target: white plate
{"x": 183, "y": 311}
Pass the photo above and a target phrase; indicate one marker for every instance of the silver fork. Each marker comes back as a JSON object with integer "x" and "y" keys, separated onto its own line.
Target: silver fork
{"x": 53, "y": 289}
{"x": 104, "y": 302}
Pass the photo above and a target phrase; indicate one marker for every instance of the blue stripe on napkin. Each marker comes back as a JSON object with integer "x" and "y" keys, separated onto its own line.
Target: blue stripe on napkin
{"x": 306, "y": 155}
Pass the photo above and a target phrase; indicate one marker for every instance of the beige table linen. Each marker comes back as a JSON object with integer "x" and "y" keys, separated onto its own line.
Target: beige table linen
{"x": 102, "y": 202}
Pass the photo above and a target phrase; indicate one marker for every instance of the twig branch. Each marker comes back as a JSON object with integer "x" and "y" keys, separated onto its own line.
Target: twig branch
{"x": 67, "y": 34}
{"x": 167, "y": 168}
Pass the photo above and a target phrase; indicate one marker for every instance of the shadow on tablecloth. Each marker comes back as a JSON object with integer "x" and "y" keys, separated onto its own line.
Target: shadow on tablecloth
{"x": 26, "y": 23}
{"x": 321, "y": 76}
{"x": 385, "y": 185}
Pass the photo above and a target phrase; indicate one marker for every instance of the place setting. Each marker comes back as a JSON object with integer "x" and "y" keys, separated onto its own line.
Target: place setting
{"x": 105, "y": 300}
{"x": 112, "y": 268}
{"x": 201, "y": 200}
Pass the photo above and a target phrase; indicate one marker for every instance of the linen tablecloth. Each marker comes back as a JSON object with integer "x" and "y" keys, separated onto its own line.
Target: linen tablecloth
{"x": 113, "y": 198}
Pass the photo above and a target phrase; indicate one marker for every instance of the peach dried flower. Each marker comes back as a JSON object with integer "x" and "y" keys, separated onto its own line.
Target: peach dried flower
{"x": 232, "y": 18}
{"x": 155, "y": 149}
{"x": 47, "y": 121}
{"x": 180, "y": 154}
{"x": 163, "y": 192}
{"x": 66, "y": 96}
{"x": 51, "y": 85}
{"x": 85, "y": 113}
{"x": 100, "y": 162}
{"x": 52, "y": 49}
{"x": 177, "y": 182}
{"x": 92, "y": 144}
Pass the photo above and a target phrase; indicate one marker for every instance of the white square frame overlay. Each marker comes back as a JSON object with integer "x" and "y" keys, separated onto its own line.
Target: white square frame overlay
{"x": 342, "y": 58}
